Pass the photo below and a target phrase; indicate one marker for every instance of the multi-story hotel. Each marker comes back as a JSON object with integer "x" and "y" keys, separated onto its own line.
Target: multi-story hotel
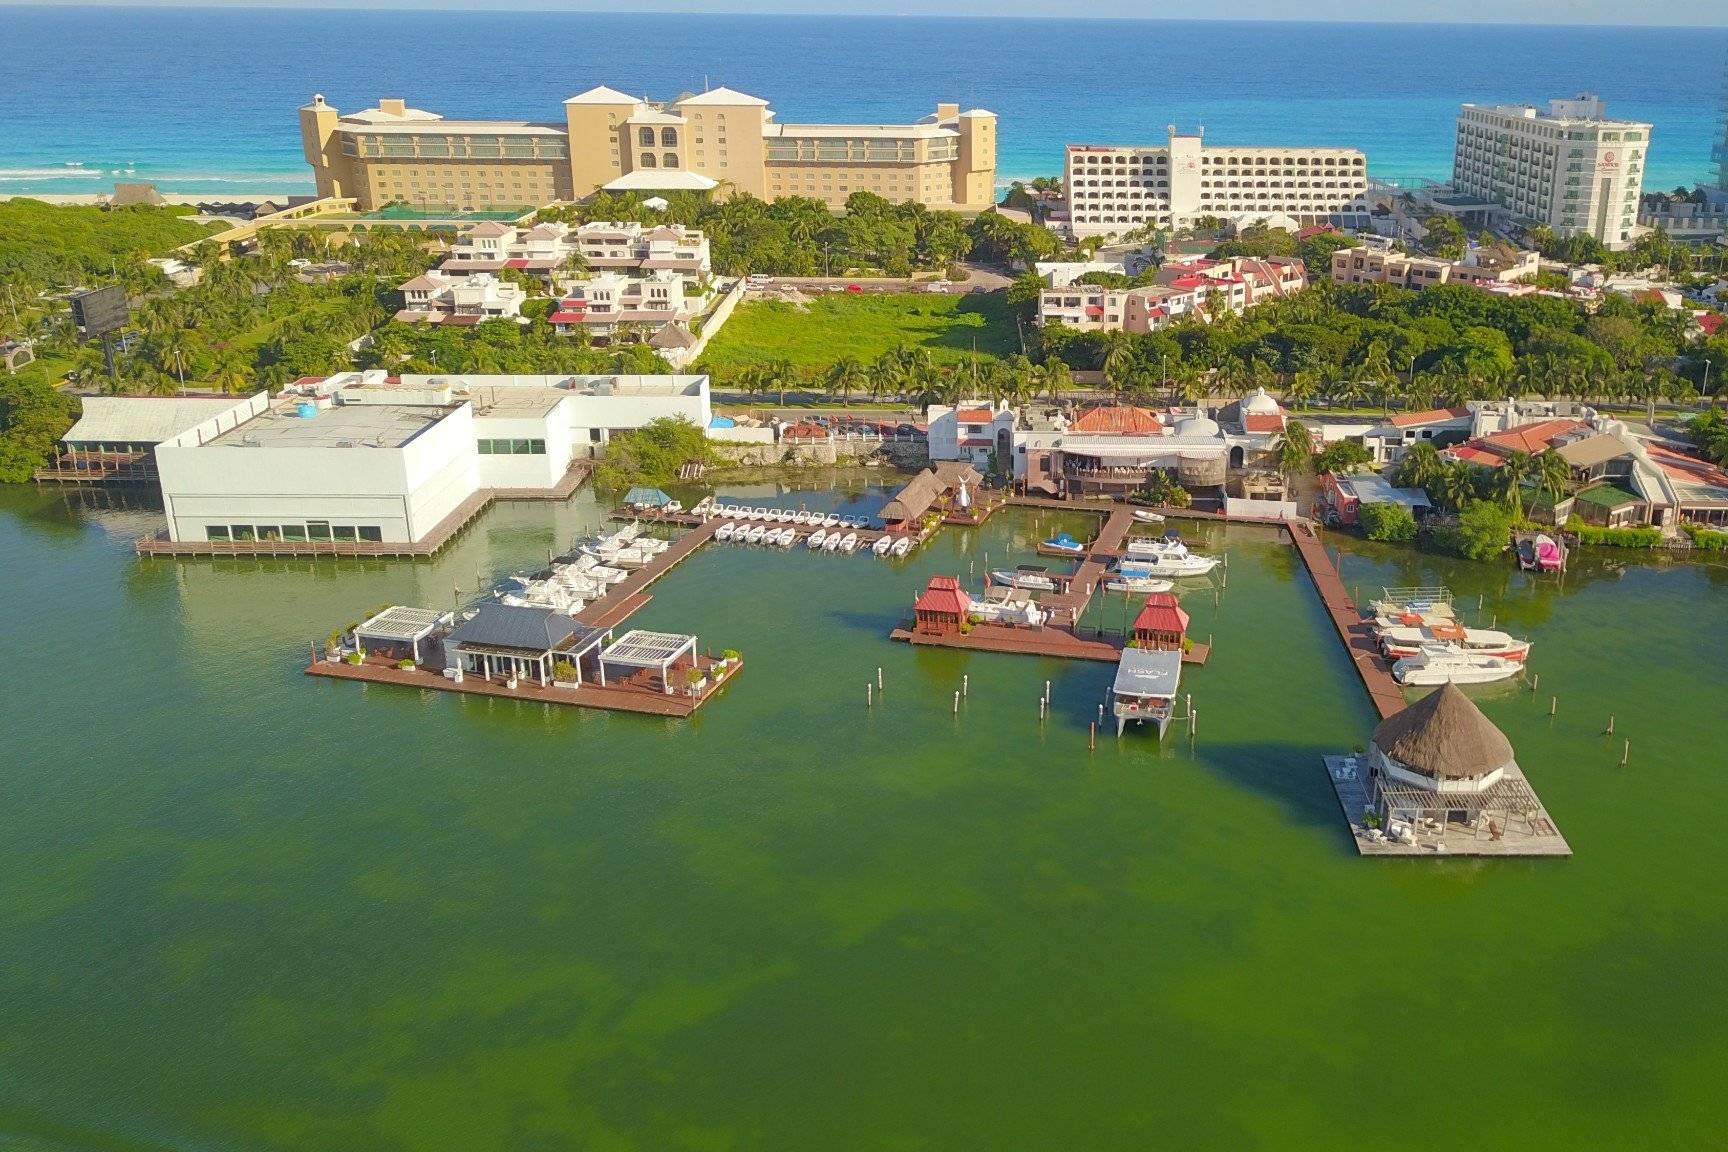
{"x": 1375, "y": 261}
{"x": 608, "y": 140}
{"x": 1118, "y": 189}
{"x": 1567, "y": 166}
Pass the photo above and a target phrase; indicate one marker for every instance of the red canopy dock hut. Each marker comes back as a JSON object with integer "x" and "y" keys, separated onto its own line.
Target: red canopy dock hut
{"x": 1162, "y": 624}
{"x": 941, "y": 608}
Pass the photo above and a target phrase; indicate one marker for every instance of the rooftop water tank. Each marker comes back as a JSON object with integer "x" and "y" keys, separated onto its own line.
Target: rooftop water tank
{"x": 305, "y": 410}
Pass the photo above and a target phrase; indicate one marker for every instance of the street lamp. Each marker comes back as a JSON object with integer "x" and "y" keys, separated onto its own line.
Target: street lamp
{"x": 180, "y": 368}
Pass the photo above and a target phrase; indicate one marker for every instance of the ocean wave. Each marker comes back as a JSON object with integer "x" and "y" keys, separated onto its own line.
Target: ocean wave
{"x": 67, "y": 172}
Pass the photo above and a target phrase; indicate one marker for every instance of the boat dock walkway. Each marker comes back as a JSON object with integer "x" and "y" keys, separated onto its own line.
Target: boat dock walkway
{"x": 1371, "y": 666}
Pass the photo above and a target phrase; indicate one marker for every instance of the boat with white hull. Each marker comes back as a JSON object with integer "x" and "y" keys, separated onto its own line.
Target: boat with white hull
{"x": 1400, "y": 642}
{"x": 1136, "y": 583}
{"x": 1438, "y": 664}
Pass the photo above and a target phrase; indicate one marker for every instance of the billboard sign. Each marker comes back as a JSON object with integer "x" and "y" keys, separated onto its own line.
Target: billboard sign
{"x": 99, "y": 311}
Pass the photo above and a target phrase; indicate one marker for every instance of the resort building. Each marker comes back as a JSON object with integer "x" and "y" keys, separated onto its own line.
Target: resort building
{"x": 1441, "y": 761}
{"x": 1567, "y": 165}
{"x": 971, "y": 432}
{"x": 1201, "y": 288}
{"x": 628, "y": 246}
{"x": 439, "y": 298}
{"x": 1124, "y": 188}
{"x": 606, "y": 139}
{"x": 607, "y": 303}
{"x": 1375, "y": 261}
{"x": 1441, "y": 427}
{"x": 362, "y": 459}
{"x": 517, "y": 642}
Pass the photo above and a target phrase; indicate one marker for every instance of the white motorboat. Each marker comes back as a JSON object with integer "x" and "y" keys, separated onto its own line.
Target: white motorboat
{"x": 787, "y": 538}
{"x": 1436, "y": 664}
{"x": 830, "y": 521}
{"x": 761, "y": 513}
{"x": 1426, "y": 602}
{"x": 1126, "y": 582}
{"x": 724, "y": 532}
{"x": 832, "y": 544}
{"x": 1143, "y": 557}
{"x": 783, "y": 516}
{"x": 629, "y": 559}
{"x": 902, "y": 545}
{"x": 608, "y": 575}
{"x": 817, "y": 539}
{"x": 1032, "y": 576}
{"x": 883, "y": 543}
{"x": 756, "y": 534}
{"x": 1146, "y": 517}
{"x": 1399, "y": 642}
{"x": 800, "y": 517}
{"x": 849, "y": 542}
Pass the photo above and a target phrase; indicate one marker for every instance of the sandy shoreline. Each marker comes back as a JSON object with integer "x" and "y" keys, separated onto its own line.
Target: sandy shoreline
{"x": 169, "y": 197}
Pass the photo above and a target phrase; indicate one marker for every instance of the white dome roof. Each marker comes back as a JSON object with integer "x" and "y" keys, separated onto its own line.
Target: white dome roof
{"x": 1197, "y": 426}
{"x": 1260, "y": 404}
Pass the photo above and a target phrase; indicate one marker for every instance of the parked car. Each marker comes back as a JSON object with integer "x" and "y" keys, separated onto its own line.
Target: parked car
{"x": 758, "y": 279}
{"x": 854, "y": 288}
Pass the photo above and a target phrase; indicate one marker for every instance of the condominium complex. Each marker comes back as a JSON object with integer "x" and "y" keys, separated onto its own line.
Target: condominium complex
{"x": 1186, "y": 288}
{"x": 605, "y": 139}
{"x": 1118, "y": 189}
{"x": 1375, "y": 261}
{"x": 1567, "y": 166}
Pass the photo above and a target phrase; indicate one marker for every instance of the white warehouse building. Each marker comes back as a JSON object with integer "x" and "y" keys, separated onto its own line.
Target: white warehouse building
{"x": 361, "y": 459}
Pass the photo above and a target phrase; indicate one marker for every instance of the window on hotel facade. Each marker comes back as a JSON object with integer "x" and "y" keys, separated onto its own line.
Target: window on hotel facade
{"x": 645, "y": 137}
{"x": 671, "y": 160}
{"x": 668, "y": 137}
{"x": 648, "y": 160}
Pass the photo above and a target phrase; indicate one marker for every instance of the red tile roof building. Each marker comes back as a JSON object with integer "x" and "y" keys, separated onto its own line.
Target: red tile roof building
{"x": 1161, "y": 624}
{"x": 941, "y": 608}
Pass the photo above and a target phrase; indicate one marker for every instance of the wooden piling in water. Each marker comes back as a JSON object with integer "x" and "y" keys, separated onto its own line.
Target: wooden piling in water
{"x": 956, "y": 702}
{"x": 1610, "y": 731}
{"x": 869, "y": 694}
{"x": 878, "y": 677}
{"x": 1092, "y": 740}
{"x": 965, "y": 684}
{"x": 1553, "y": 705}
{"x": 1625, "y": 753}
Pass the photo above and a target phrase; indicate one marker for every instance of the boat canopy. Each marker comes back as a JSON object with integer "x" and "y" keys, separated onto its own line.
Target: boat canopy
{"x": 1148, "y": 672}
{"x": 646, "y": 498}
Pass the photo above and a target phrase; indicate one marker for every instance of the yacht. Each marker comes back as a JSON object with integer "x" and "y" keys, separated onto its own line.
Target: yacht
{"x": 1436, "y": 664}
{"x": 1166, "y": 557}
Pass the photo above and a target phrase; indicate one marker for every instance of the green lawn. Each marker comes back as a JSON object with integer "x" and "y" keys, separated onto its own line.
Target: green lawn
{"x": 866, "y": 325}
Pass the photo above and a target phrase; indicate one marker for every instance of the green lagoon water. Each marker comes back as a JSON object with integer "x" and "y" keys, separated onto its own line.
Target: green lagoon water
{"x": 244, "y": 909}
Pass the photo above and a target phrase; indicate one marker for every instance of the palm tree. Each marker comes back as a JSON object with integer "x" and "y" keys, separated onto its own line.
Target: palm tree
{"x": 1302, "y": 387}
{"x": 1294, "y": 449}
{"x": 1552, "y": 474}
{"x": 1514, "y": 470}
{"x": 1421, "y": 466}
{"x": 1457, "y": 485}
{"x": 847, "y": 374}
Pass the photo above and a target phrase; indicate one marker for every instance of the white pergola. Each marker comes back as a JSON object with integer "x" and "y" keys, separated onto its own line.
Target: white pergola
{"x": 639, "y": 648}
{"x": 400, "y": 625}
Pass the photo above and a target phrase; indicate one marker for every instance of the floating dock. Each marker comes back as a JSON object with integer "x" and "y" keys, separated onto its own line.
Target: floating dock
{"x": 1535, "y": 835}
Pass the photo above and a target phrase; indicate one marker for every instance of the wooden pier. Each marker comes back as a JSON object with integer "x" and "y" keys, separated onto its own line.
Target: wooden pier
{"x": 631, "y": 694}
{"x": 1105, "y": 547}
{"x": 1358, "y": 637}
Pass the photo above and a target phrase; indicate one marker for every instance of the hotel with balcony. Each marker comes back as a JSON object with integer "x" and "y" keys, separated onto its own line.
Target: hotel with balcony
{"x": 1116, "y": 189}
{"x": 1185, "y": 288}
{"x": 606, "y": 139}
{"x": 1567, "y": 166}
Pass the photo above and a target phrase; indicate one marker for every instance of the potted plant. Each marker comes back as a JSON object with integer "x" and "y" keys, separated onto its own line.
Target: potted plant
{"x": 355, "y": 657}
{"x": 333, "y": 645}
{"x": 406, "y": 664}
{"x": 730, "y": 657}
{"x": 697, "y": 679}
{"x": 564, "y": 674}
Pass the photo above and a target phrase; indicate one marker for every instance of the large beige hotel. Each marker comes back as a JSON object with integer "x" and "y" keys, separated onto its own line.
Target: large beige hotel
{"x": 720, "y": 139}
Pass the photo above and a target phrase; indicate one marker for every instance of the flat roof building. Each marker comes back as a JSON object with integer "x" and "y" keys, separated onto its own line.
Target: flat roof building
{"x": 1119, "y": 188}
{"x": 606, "y": 139}
{"x": 1567, "y": 166}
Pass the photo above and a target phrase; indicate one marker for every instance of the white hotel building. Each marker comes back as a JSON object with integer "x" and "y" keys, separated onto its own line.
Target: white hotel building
{"x": 364, "y": 459}
{"x": 1567, "y": 166}
{"x": 1118, "y": 189}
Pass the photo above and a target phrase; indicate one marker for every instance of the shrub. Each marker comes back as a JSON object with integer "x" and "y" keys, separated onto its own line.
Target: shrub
{"x": 1483, "y": 531}
{"x": 564, "y": 671}
{"x": 1615, "y": 537}
{"x": 355, "y": 657}
{"x": 730, "y": 654}
{"x": 406, "y": 665}
{"x": 695, "y": 676}
{"x": 1706, "y": 539}
{"x": 334, "y": 640}
{"x": 1391, "y": 522}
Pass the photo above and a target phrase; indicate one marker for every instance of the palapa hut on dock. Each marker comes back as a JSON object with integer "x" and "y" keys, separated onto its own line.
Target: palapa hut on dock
{"x": 933, "y": 490}
{"x": 1441, "y": 762}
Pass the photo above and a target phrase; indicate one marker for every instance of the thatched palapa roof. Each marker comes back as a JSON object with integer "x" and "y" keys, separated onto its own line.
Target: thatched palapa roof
{"x": 1444, "y": 735}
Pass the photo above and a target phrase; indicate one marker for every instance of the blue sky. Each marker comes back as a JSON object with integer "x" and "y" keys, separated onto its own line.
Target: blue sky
{"x": 1686, "y": 13}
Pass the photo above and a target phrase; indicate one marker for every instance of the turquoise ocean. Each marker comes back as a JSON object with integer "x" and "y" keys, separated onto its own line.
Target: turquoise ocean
{"x": 203, "y": 100}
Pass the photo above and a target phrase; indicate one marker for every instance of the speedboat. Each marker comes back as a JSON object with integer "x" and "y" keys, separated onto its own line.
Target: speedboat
{"x": 762, "y": 514}
{"x": 817, "y": 538}
{"x": 756, "y": 534}
{"x": 787, "y": 538}
{"x": 849, "y": 542}
{"x": 652, "y": 545}
{"x": 1400, "y": 642}
{"x": 830, "y": 520}
{"x": 1025, "y": 576}
{"x": 800, "y": 517}
{"x": 1436, "y": 664}
{"x": 1133, "y": 582}
{"x": 1423, "y": 602}
{"x": 1062, "y": 544}
{"x": 628, "y": 559}
{"x": 702, "y": 506}
{"x": 724, "y": 532}
{"x": 883, "y": 543}
{"x": 1146, "y": 517}
{"x": 832, "y": 544}
{"x": 608, "y": 575}
{"x": 902, "y": 545}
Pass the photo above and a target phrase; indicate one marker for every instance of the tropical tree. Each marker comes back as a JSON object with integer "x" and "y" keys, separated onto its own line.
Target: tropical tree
{"x": 1511, "y": 475}
{"x": 846, "y": 376}
{"x": 1294, "y": 448}
{"x": 1420, "y": 467}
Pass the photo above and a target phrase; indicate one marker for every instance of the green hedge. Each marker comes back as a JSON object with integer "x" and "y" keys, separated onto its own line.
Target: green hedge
{"x": 1616, "y": 537}
{"x": 1706, "y": 539}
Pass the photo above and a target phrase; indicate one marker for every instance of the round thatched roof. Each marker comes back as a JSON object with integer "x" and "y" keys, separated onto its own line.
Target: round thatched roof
{"x": 1444, "y": 735}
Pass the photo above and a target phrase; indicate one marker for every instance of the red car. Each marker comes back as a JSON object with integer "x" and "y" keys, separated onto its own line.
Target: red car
{"x": 854, "y": 288}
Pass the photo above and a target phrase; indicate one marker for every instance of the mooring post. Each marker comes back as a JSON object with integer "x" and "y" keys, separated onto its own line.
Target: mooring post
{"x": 1625, "y": 752}
{"x": 1046, "y": 691}
{"x": 878, "y": 676}
{"x": 1610, "y": 731}
{"x": 1553, "y": 705}
{"x": 869, "y": 694}
{"x": 1092, "y": 740}
{"x": 1535, "y": 680}
{"x": 1193, "y": 721}
{"x": 1496, "y": 621}
{"x": 1479, "y": 597}
{"x": 956, "y": 703}
{"x": 1100, "y": 711}
{"x": 965, "y": 684}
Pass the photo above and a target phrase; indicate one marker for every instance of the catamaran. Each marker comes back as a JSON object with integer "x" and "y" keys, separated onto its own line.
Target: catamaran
{"x": 1436, "y": 664}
